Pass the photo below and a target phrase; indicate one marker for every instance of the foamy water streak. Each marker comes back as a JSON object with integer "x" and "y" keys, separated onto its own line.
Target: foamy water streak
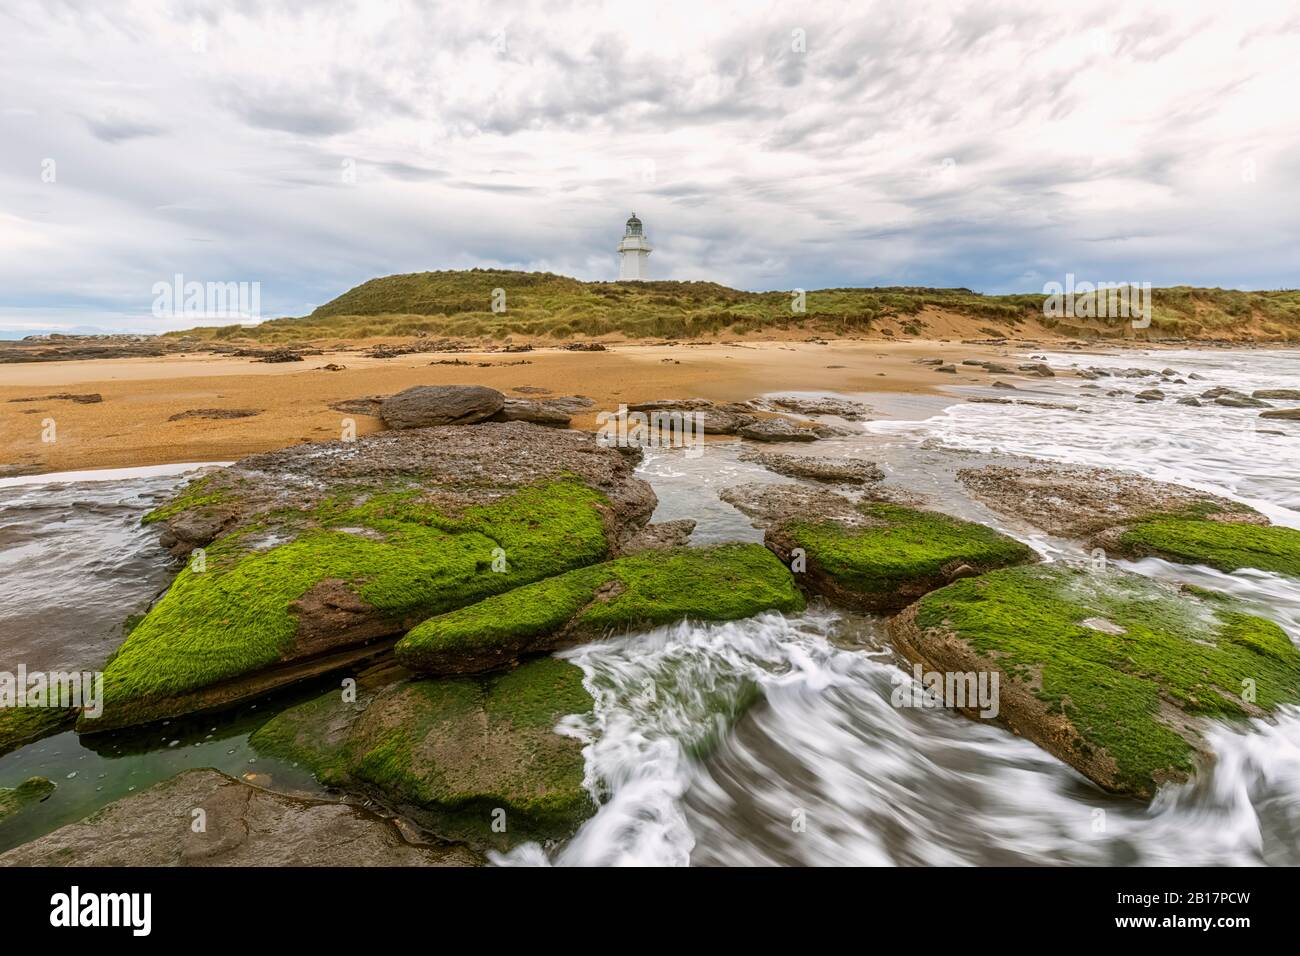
{"x": 873, "y": 784}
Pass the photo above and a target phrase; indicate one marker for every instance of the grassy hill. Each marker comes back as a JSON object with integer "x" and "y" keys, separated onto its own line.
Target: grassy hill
{"x": 542, "y": 305}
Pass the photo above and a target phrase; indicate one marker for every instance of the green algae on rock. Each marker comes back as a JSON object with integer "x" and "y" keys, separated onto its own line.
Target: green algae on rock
{"x": 871, "y": 555}
{"x": 20, "y": 726}
{"x": 1111, "y": 672}
{"x": 1136, "y": 517}
{"x": 32, "y": 790}
{"x": 1225, "y": 546}
{"x": 315, "y": 555}
{"x": 709, "y": 584}
{"x": 457, "y": 754}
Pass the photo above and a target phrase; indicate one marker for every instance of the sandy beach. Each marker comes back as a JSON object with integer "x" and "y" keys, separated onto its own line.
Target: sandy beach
{"x": 130, "y": 425}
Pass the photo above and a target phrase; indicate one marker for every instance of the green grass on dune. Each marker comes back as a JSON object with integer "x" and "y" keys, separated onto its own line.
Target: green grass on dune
{"x": 402, "y": 557}
{"x": 709, "y": 584}
{"x": 544, "y": 305}
{"x": 1184, "y": 648}
{"x": 1226, "y": 546}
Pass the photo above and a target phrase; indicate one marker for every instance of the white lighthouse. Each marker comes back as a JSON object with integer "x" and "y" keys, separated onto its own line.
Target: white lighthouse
{"x": 633, "y": 251}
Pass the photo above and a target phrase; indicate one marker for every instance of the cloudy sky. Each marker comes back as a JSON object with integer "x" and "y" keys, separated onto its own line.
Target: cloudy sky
{"x": 309, "y": 146}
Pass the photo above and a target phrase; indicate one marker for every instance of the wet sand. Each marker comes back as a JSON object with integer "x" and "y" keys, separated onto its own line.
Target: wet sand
{"x": 130, "y": 426}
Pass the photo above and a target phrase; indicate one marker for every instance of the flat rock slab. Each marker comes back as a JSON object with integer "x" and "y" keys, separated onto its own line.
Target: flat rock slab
{"x": 1078, "y": 502}
{"x": 1135, "y": 517}
{"x": 839, "y": 407}
{"x": 214, "y": 413}
{"x": 776, "y": 430}
{"x": 245, "y": 826}
{"x": 849, "y": 471}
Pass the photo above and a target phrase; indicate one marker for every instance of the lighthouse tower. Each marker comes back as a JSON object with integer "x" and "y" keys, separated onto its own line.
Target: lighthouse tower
{"x": 633, "y": 252}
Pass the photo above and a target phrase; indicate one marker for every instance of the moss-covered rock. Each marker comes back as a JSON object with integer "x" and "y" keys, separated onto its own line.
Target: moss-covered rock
{"x": 1227, "y": 546}
{"x": 1109, "y": 671}
{"x": 710, "y": 584}
{"x": 1131, "y": 516}
{"x": 315, "y": 557}
{"x": 457, "y": 754}
{"x": 20, "y": 726}
{"x": 14, "y": 799}
{"x": 871, "y": 555}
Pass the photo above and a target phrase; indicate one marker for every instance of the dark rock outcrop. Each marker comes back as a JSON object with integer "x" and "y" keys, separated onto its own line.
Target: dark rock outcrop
{"x": 426, "y": 405}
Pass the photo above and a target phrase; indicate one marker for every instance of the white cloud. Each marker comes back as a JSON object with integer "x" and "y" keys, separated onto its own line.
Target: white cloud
{"x": 311, "y": 146}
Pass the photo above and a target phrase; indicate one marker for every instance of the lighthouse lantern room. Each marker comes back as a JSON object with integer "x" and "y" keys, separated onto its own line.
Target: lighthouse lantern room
{"x": 633, "y": 251}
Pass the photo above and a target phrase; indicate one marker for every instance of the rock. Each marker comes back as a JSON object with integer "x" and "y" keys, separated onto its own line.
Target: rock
{"x": 425, "y": 405}
{"x": 1232, "y": 401}
{"x": 20, "y": 726}
{"x": 775, "y": 429}
{"x": 245, "y": 826}
{"x": 1137, "y": 517}
{"x": 840, "y": 407}
{"x": 1150, "y": 395}
{"x": 572, "y": 404}
{"x": 870, "y": 556}
{"x": 949, "y": 369}
{"x": 661, "y": 536}
{"x": 993, "y": 368}
{"x": 1127, "y": 713}
{"x": 1001, "y": 384}
{"x": 1281, "y": 394}
{"x": 280, "y": 355}
{"x": 1061, "y": 406}
{"x": 851, "y": 471}
{"x": 1039, "y": 369}
{"x": 317, "y": 555}
{"x": 711, "y": 418}
{"x": 722, "y": 583}
{"x": 451, "y": 752}
{"x": 217, "y": 413}
{"x": 89, "y": 398}
{"x": 1287, "y": 414}
{"x": 16, "y": 799}
{"x": 1190, "y": 401}
{"x": 537, "y": 412}
{"x": 359, "y": 406}
{"x": 585, "y": 347}
{"x": 1221, "y": 392}
{"x": 334, "y": 367}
